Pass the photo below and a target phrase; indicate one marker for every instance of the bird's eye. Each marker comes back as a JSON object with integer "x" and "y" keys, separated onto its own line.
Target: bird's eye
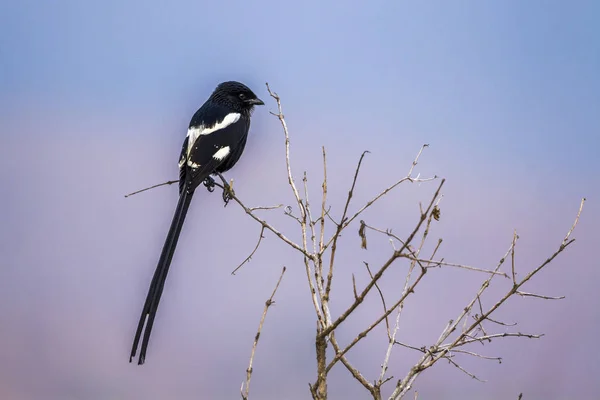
{"x": 242, "y": 96}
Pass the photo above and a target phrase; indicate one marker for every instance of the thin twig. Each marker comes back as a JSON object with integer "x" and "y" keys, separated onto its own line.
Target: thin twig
{"x": 387, "y": 322}
{"x": 260, "y": 238}
{"x": 355, "y": 373}
{"x": 447, "y": 264}
{"x": 494, "y": 336}
{"x": 339, "y": 227}
{"x": 471, "y": 353}
{"x": 441, "y": 351}
{"x": 385, "y": 266}
{"x": 266, "y": 207}
{"x": 464, "y": 370}
{"x": 539, "y": 296}
{"x": 323, "y": 202}
{"x": 512, "y": 256}
{"x": 307, "y": 255}
{"x": 385, "y": 191}
{"x": 152, "y": 187}
{"x": 268, "y": 303}
{"x": 261, "y": 221}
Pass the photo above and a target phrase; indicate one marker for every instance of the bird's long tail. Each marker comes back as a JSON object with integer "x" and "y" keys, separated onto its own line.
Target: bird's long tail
{"x": 160, "y": 275}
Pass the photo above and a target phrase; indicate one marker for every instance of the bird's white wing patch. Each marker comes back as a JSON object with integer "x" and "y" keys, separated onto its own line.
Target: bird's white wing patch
{"x": 229, "y": 119}
{"x": 221, "y": 153}
{"x": 196, "y": 131}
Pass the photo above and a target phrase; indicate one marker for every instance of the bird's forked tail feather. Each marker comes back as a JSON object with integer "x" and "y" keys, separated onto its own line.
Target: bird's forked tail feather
{"x": 160, "y": 275}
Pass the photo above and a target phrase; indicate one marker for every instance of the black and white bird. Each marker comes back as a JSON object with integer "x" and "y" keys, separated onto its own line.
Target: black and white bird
{"x": 215, "y": 141}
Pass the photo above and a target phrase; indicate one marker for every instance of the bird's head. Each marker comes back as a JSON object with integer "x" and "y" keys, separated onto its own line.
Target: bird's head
{"x": 236, "y": 95}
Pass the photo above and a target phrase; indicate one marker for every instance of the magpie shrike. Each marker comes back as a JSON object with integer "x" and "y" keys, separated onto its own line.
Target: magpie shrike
{"x": 214, "y": 143}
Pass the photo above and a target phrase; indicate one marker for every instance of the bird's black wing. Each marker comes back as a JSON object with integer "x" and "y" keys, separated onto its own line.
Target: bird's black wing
{"x": 182, "y": 164}
{"x": 210, "y": 151}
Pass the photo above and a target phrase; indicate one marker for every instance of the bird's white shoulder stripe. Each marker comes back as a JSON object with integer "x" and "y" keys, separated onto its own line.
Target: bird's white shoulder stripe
{"x": 229, "y": 119}
{"x": 196, "y": 131}
{"x": 221, "y": 153}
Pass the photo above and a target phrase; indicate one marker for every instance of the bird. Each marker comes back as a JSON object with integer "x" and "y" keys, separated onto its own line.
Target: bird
{"x": 214, "y": 143}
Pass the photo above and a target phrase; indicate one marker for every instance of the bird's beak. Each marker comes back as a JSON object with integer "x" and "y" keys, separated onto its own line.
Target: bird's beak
{"x": 255, "y": 102}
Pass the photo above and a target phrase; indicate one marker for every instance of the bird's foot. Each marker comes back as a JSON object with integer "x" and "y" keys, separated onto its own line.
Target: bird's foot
{"x": 228, "y": 192}
{"x": 209, "y": 183}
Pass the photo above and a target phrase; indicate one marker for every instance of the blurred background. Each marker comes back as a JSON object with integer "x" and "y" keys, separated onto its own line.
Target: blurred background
{"x": 95, "y": 99}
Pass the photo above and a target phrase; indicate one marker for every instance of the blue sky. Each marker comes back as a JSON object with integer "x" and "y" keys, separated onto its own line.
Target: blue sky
{"x": 95, "y": 98}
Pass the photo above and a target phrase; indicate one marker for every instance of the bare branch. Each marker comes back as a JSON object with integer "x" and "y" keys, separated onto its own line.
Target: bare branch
{"x": 406, "y": 289}
{"x": 512, "y": 256}
{"x": 245, "y": 391}
{"x": 387, "y": 322}
{"x": 566, "y": 239}
{"x": 464, "y": 370}
{"x": 311, "y": 223}
{"x": 440, "y": 351}
{"x": 494, "y": 336}
{"x": 385, "y": 191}
{"x": 499, "y": 359}
{"x": 364, "y": 333}
{"x": 323, "y": 202}
{"x": 266, "y": 207}
{"x": 443, "y": 263}
{"x": 500, "y": 323}
{"x": 340, "y": 227}
{"x": 419, "y": 349}
{"x": 379, "y": 273}
{"x": 261, "y": 221}
{"x": 355, "y": 373}
{"x": 281, "y": 118}
{"x": 260, "y": 238}
{"x": 539, "y": 296}
{"x": 152, "y": 187}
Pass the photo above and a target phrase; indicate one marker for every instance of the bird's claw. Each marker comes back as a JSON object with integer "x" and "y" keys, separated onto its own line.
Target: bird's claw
{"x": 209, "y": 183}
{"x": 228, "y": 193}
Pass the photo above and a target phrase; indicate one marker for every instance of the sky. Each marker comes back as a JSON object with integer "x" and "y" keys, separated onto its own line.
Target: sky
{"x": 95, "y": 100}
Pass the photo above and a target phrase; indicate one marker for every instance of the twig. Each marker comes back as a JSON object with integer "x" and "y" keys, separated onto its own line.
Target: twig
{"x": 384, "y": 192}
{"x": 443, "y": 263}
{"x": 311, "y": 223}
{"x": 365, "y": 332}
{"x": 387, "y": 322}
{"x": 268, "y": 303}
{"x": 440, "y": 351}
{"x": 406, "y": 289}
{"x": 494, "y": 336}
{"x": 323, "y": 202}
{"x": 152, "y": 187}
{"x": 355, "y": 373}
{"x": 260, "y": 238}
{"x": 419, "y": 349}
{"x": 266, "y": 207}
{"x": 566, "y": 239}
{"x": 385, "y": 266}
{"x": 499, "y": 359}
{"x": 261, "y": 221}
{"x": 539, "y": 296}
{"x": 339, "y": 227}
{"x": 281, "y": 118}
{"x": 302, "y": 219}
{"x": 512, "y": 256}
{"x": 464, "y": 370}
